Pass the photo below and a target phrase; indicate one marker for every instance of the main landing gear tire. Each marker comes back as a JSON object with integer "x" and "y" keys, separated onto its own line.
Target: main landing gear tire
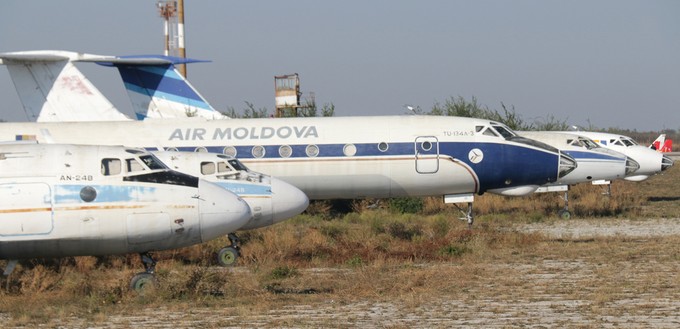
{"x": 564, "y": 214}
{"x": 227, "y": 256}
{"x": 143, "y": 282}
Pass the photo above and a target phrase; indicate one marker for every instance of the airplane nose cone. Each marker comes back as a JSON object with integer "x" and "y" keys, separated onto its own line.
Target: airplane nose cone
{"x": 222, "y": 212}
{"x": 567, "y": 165}
{"x": 666, "y": 163}
{"x": 631, "y": 166}
{"x": 287, "y": 200}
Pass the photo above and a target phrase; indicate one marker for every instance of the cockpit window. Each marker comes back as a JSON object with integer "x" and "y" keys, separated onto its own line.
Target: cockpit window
{"x": 111, "y": 167}
{"x": 164, "y": 177}
{"x": 588, "y": 143}
{"x": 575, "y": 142}
{"x": 207, "y": 168}
{"x": 133, "y": 165}
{"x": 628, "y": 141}
{"x": 505, "y": 132}
{"x": 151, "y": 162}
{"x": 618, "y": 142}
{"x": 223, "y": 167}
{"x": 238, "y": 165}
{"x": 486, "y": 131}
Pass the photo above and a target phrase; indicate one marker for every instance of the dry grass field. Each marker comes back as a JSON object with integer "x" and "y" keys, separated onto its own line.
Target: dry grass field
{"x": 614, "y": 264}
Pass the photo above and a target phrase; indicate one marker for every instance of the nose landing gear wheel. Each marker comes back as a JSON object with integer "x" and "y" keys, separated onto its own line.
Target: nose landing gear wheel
{"x": 227, "y": 256}
{"x": 564, "y": 214}
{"x": 143, "y": 282}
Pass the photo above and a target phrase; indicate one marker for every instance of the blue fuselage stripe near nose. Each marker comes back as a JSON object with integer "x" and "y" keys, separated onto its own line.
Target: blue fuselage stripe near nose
{"x": 502, "y": 165}
{"x": 586, "y": 155}
{"x": 69, "y": 194}
{"x": 244, "y": 189}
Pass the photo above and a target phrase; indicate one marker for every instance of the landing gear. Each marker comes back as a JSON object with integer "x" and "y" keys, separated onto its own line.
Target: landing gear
{"x": 467, "y": 214}
{"x": 564, "y": 213}
{"x": 141, "y": 282}
{"x": 462, "y": 198}
{"x": 228, "y": 256}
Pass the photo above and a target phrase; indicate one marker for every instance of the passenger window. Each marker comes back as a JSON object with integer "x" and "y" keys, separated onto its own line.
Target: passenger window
{"x": 207, "y": 168}
{"x": 133, "y": 165}
{"x": 111, "y": 167}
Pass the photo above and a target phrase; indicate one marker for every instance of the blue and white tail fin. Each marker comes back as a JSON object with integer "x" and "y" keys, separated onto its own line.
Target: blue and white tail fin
{"x": 52, "y": 89}
{"x": 157, "y": 90}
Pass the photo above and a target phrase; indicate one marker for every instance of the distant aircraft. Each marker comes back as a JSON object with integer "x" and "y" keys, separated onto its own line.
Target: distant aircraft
{"x": 651, "y": 162}
{"x": 661, "y": 144}
{"x": 72, "y": 200}
{"x": 596, "y": 164}
{"x": 344, "y": 157}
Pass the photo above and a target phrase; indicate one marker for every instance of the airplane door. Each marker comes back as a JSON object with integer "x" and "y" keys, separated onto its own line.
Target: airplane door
{"x": 26, "y": 209}
{"x": 427, "y": 154}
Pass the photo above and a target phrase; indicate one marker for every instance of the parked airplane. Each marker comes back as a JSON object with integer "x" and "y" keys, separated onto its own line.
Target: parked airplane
{"x": 383, "y": 156}
{"x": 271, "y": 200}
{"x": 61, "y": 200}
{"x": 661, "y": 144}
{"x": 651, "y": 162}
{"x": 52, "y": 89}
{"x": 596, "y": 164}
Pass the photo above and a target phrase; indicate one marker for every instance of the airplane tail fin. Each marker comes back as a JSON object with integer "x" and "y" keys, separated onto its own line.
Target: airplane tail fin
{"x": 662, "y": 144}
{"x": 157, "y": 90}
{"x": 52, "y": 89}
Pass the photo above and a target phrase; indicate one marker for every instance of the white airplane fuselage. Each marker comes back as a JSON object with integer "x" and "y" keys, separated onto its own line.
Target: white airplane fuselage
{"x": 70, "y": 200}
{"x": 342, "y": 157}
{"x": 271, "y": 200}
{"x": 651, "y": 162}
{"x": 595, "y": 163}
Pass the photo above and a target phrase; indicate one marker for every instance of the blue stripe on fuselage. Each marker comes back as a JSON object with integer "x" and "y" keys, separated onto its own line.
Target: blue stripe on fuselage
{"x": 586, "y": 155}
{"x": 105, "y": 193}
{"x": 502, "y": 162}
{"x": 242, "y": 189}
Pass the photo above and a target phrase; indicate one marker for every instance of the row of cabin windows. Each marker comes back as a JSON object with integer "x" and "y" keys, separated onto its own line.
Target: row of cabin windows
{"x": 285, "y": 151}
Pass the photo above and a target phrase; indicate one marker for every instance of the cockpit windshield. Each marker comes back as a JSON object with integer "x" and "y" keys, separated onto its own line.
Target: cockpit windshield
{"x": 152, "y": 162}
{"x": 588, "y": 143}
{"x": 504, "y": 131}
{"x": 628, "y": 141}
{"x": 164, "y": 177}
{"x": 238, "y": 165}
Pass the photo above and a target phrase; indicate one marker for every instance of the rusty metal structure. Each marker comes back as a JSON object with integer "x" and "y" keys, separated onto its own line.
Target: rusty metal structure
{"x": 287, "y": 95}
{"x": 172, "y": 13}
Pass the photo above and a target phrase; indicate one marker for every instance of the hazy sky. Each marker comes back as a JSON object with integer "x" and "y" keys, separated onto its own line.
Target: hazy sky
{"x": 612, "y": 63}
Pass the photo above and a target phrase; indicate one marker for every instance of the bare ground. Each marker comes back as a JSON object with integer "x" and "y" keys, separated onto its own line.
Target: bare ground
{"x": 603, "y": 273}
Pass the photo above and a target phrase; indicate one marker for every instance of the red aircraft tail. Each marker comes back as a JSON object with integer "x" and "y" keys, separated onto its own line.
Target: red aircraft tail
{"x": 662, "y": 144}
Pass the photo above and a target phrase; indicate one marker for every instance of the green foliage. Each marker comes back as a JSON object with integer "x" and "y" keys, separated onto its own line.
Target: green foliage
{"x": 282, "y": 272}
{"x": 454, "y": 250}
{"x": 355, "y": 261}
{"x": 406, "y": 205}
